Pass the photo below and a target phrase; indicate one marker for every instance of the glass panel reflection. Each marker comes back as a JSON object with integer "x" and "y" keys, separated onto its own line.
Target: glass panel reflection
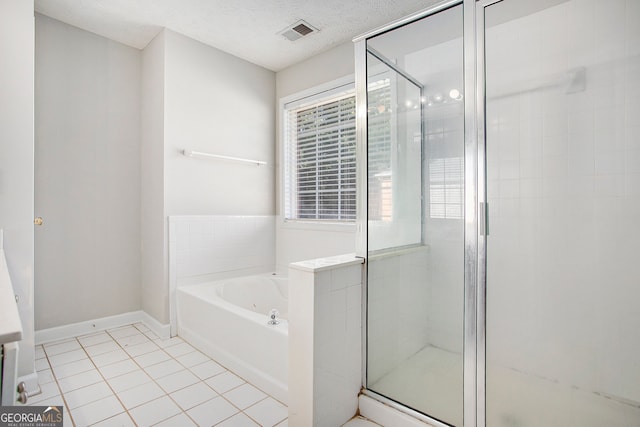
{"x": 415, "y": 230}
{"x": 562, "y": 286}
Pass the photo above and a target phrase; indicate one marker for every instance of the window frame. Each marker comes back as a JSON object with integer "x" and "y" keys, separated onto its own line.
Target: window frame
{"x": 309, "y": 95}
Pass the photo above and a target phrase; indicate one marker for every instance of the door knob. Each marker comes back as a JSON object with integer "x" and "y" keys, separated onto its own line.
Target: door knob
{"x": 38, "y": 221}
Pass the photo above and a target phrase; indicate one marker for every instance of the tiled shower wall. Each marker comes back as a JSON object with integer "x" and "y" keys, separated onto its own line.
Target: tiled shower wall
{"x": 398, "y": 325}
{"x": 220, "y": 244}
{"x": 416, "y": 295}
{"x": 564, "y": 195}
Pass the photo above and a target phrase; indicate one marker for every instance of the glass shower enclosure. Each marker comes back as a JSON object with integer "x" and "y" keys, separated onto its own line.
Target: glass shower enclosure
{"x": 499, "y": 212}
{"x": 415, "y": 228}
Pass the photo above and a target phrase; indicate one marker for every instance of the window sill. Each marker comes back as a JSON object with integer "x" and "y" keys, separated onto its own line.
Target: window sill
{"x": 340, "y": 227}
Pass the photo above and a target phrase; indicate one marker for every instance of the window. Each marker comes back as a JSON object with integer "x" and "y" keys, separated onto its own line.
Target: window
{"x": 380, "y": 149}
{"x": 320, "y": 157}
{"x": 446, "y": 179}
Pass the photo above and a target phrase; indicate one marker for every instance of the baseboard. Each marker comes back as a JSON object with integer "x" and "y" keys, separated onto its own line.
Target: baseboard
{"x": 57, "y": 333}
{"x": 163, "y": 331}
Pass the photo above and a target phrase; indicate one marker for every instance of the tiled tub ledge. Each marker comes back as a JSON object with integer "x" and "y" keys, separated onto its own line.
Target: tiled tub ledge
{"x": 325, "y": 299}
{"x": 328, "y": 263}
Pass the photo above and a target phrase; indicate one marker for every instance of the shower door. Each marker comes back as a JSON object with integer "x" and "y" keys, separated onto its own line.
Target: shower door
{"x": 415, "y": 225}
{"x": 563, "y": 187}
{"x": 502, "y": 219}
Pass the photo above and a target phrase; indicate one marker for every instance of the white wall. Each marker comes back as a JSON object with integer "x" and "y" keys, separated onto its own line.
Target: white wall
{"x": 87, "y": 181}
{"x": 16, "y": 160}
{"x": 199, "y": 98}
{"x": 111, "y": 168}
{"x": 153, "y": 226}
{"x": 219, "y": 104}
{"x": 298, "y": 242}
{"x": 322, "y": 68}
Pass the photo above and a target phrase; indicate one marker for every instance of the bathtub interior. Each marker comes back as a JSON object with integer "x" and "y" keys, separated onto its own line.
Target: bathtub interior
{"x": 259, "y": 294}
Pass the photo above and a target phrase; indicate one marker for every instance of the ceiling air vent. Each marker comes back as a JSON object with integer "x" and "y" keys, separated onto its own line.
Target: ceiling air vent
{"x": 298, "y": 30}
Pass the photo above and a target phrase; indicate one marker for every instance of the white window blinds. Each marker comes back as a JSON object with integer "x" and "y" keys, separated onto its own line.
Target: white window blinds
{"x": 380, "y": 150}
{"x": 446, "y": 182}
{"x": 320, "y": 161}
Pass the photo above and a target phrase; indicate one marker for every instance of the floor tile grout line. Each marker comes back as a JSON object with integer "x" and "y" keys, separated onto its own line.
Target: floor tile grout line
{"x": 106, "y": 383}
{"x": 261, "y": 400}
{"x": 77, "y": 373}
{"x": 199, "y": 381}
{"x": 130, "y": 357}
{"x": 115, "y": 394}
{"x": 154, "y": 380}
{"x": 250, "y": 383}
{"x": 141, "y": 368}
{"x": 77, "y": 338}
{"x": 242, "y": 410}
{"x": 267, "y": 395}
{"x": 229, "y": 370}
{"x": 104, "y": 379}
{"x": 55, "y": 378}
{"x": 231, "y": 416}
{"x": 178, "y": 405}
{"x": 183, "y": 411}
{"x": 123, "y": 347}
{"x": 113, "y": 416}
{"x": 76, "y": 349}
{"x": 234, "y": 405}
{"x": 60, "y": 354}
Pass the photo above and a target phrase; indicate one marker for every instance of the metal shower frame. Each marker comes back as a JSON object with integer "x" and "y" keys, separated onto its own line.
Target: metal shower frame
{"x": 475, "y": 210}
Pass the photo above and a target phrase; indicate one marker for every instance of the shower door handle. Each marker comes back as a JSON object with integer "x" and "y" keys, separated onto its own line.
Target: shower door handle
{"x": 483, "y": 218}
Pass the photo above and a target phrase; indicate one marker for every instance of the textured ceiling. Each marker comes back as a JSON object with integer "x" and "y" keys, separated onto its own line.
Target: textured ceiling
{"x": 245, "y": 28}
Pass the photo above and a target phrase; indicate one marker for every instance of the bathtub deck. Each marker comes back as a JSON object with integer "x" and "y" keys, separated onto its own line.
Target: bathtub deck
{"x": 128, "y": 376}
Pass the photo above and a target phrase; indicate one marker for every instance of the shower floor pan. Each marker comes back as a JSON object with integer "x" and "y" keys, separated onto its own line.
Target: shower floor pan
{"x": 429, "y": 382}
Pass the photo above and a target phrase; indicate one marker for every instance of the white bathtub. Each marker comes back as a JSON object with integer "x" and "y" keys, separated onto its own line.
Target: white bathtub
{"x": 227, "y": 320}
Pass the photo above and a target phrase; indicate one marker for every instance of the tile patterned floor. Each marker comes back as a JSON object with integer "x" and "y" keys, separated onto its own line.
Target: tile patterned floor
{"x": 361, "y": 422}
{"x": 129, "y": 377}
